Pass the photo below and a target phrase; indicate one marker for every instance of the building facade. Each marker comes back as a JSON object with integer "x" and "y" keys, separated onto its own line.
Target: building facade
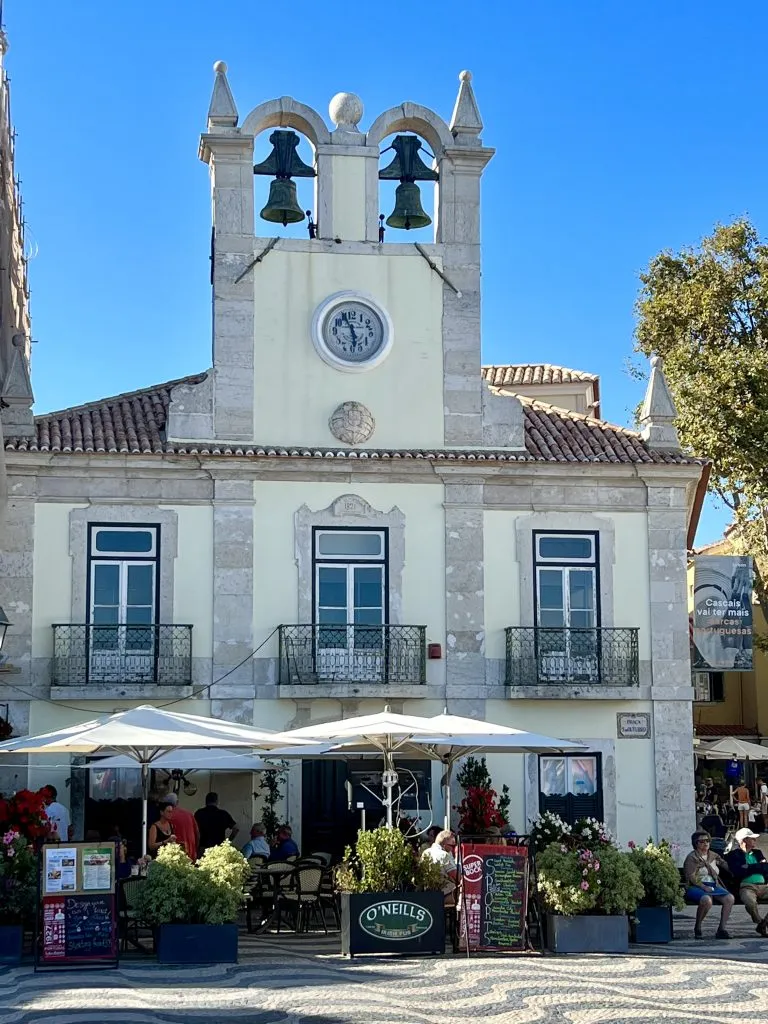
{"x": 347, "y": 510}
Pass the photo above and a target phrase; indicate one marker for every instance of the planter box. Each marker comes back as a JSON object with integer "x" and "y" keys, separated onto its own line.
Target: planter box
{"x": 652, "y": 924}
{"x": 11, "y": 943}
{"x": 392, "y": 922}
{"x": 196, "y": 943}
{"x": 588, "y": 933}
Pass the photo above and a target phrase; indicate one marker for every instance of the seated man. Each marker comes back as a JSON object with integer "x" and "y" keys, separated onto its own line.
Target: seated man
{"x": 284, "y": 846}
{"x": 441, "y": 852}
{"x": 750, "y": 869}
{"x": 257, "y": 845}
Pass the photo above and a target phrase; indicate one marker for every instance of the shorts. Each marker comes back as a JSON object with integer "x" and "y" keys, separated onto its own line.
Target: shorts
{"x": 743, "y": 807}
{"x": 696, "y": 894}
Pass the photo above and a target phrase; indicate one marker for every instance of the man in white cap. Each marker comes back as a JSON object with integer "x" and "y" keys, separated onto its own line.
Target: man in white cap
{"x": 750, "y": 869}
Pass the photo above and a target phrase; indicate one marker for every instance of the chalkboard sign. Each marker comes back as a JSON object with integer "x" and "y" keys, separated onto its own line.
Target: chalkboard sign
{"x": 494, "y": 900}
{"x": 78, "y": 926}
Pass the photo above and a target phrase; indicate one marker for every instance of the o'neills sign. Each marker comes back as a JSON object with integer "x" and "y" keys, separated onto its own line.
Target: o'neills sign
{"x": 395, "y": 921}
{"x": 722, "y": 613}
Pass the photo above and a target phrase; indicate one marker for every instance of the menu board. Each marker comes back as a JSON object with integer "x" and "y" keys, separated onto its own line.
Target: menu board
{"x": 494, "y": 899}
{"x": 78, "y": 905}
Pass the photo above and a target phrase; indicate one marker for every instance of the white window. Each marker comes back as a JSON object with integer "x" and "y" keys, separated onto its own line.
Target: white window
{"x": 350, "y": 602}
{"x": 122, "y": 585}
{"x": 566, "y": 568}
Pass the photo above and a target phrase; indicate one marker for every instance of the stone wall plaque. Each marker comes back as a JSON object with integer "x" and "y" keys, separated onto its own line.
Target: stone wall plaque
{"x": 633, "y": 725}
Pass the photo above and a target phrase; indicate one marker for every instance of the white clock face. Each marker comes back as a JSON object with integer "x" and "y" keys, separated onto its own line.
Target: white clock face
{"x": 353, "y": 331}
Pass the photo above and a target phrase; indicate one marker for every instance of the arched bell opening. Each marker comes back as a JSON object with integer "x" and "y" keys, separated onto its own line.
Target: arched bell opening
{"x": 408, "y": 179}
{"x": 285, "y": 184}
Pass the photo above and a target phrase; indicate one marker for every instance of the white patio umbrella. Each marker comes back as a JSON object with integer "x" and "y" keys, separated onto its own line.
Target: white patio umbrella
{"x": 732, "y": 747}
{"x": 190, "y": 760}
{"x": 143, "y": 734}
{"x": 443, "y": 738}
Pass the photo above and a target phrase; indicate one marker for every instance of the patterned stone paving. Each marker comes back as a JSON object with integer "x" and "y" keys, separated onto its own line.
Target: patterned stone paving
{"x": 302, "y": 980}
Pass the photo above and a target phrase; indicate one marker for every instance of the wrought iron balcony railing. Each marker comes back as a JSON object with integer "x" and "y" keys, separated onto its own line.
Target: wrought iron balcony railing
{"x": 157, "y": 653}
{"x": 352, "y": 654}
{"x": 605, "y": 657}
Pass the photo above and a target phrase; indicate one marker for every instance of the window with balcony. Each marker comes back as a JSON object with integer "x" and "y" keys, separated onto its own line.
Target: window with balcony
{"x": 567, "y": 644}
{"x": 121, "y": 640}
{"x": 571, "y": 786}
{"x": 350, "y": 638}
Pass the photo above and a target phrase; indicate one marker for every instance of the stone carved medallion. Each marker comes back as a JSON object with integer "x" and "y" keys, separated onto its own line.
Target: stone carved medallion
{"x": 351, "y": 423}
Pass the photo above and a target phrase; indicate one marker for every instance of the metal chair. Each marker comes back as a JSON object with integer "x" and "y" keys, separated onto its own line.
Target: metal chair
{"x": 304, "y": 899}
{"x": 328, "y": 897}
{"x": 127, "y": 914}
{"x": 324, "y": 858}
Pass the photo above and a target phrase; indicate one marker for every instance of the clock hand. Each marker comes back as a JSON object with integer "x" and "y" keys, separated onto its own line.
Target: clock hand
{"x": 354, "y": 336}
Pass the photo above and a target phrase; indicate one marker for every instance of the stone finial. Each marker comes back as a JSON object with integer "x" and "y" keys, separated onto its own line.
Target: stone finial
{"x": 222, "y": 112}
{"x": 466, "y": 123}
{"x": 658, "y": 413}
{"x": 346, "y": 110}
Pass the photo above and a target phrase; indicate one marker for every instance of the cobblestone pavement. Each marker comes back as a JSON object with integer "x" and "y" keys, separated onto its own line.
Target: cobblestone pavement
{"x": 302, "y": 981}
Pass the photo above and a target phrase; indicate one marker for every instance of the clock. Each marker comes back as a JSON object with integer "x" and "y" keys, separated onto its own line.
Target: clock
{"x": 352, "y": 332}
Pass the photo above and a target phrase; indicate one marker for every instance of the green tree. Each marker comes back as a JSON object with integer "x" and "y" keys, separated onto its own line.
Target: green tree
{"x": 705, "y": 311}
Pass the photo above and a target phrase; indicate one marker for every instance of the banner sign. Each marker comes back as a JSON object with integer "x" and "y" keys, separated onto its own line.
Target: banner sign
{"x": 494, "y": 900}
{"x": 78, "y": 906}
{"x": 722, "y": 613}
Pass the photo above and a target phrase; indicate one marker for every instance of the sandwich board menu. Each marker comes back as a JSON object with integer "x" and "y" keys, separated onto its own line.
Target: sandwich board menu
{"x": 494, "y": 900}
{"x": 78, "y": 911}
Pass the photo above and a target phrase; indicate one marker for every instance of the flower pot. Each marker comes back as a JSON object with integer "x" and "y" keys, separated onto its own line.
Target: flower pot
{"x": 651, "y": 924}
{"x": 588, "y": 933}
{"x": 392, "y": 922}
{"x": 196, "y": 944}
{"x": 11, "y": 943}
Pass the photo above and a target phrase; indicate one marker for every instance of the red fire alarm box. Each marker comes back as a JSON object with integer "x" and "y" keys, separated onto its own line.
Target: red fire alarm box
{"x": 434, "y": 652}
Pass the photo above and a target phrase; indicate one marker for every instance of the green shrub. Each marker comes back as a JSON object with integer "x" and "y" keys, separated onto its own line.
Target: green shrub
{"x": 659, "y": 875}
{"x": 383, "y": 861}
{"x": 584, "y": 881}
{"x": 178, "y": 892}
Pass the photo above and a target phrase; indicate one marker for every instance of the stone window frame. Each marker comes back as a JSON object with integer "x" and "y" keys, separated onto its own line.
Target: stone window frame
{"x": 571, "y": 522}
{"x": 350, "y": 511}
{"x": 164, "y": 520}
{"x": 607, "y": 750}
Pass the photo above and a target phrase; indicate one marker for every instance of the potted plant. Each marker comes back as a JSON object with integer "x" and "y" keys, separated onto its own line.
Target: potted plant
{"x": 391, "y": 900}
{"x": 586, "y": 890}
{"x": 651, "y": 921}
{"x": 193, "y": 907}
{"x": 18, "y": 879}
{"x": 481, "y": 809}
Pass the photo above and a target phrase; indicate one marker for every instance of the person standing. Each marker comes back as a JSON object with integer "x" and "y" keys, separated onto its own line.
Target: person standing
{"x": 57, "y": 814}
{"x": 762, "y": 792}
{"x": 161, "y": 832}
{"x": 743, "y": 802}
{"x": 214, "y": 823}
{"x": 185, "y": 827}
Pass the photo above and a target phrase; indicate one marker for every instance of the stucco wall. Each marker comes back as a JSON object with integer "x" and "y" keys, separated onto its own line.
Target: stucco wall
{"x": 295, "y": 392}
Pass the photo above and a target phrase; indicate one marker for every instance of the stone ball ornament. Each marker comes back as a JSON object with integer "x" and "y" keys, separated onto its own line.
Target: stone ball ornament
{"x": 352, "y": 423}
{"x": 346, "y": 111}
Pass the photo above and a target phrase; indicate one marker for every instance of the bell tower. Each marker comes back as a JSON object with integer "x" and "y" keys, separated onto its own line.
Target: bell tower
{"x": 340, "y": 325}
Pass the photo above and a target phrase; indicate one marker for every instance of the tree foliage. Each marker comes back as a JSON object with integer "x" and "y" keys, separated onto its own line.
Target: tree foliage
{"x": 705, "y": 311}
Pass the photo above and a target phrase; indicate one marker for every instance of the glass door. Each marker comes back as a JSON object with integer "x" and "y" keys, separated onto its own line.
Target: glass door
{"x": 350, "y": 617}
{"x": 567, "y": 645}
{"x": 122, "y": 641}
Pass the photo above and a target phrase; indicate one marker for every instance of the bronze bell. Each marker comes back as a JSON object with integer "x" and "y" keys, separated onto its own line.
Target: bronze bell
{"x": 408, "y": 212}
{"x": 408, "y": 166}
{"x": 282, "y": 207}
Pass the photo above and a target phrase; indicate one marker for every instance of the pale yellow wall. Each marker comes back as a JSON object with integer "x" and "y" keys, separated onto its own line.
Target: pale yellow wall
{"x": 582, "y": 720}
{"x": 53, "y": 568}
{"x": 348, "y": 199}
{"x": 274, "y": 556}
{"x": 631, "y": 588}
{"x": 296, "y": 392}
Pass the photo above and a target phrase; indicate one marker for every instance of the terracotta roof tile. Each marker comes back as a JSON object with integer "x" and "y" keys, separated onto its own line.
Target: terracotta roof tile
{"x": 134, "y": 423}
{"x": 725, "y": 730}
{"x": 533, "y": 373}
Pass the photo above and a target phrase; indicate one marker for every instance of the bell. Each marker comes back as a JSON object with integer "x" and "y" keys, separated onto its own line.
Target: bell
{"x": 408, "y": 212}
{"x": 282, "y": 207}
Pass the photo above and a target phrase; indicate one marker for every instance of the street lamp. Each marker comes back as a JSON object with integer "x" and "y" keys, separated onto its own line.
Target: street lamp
{"x": 4, "y": 624}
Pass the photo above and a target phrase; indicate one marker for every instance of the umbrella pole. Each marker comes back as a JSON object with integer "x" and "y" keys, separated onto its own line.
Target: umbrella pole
{"x": 144, "y": 806}
{"x": 447, "y": 796}
{"x": 389, "y": 785}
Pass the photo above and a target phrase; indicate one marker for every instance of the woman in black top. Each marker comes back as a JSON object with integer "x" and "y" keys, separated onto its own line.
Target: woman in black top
{"x": 161, "y": 833}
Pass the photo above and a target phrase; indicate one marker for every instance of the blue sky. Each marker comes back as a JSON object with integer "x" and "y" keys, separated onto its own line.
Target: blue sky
{"x": 620, "y": 129}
